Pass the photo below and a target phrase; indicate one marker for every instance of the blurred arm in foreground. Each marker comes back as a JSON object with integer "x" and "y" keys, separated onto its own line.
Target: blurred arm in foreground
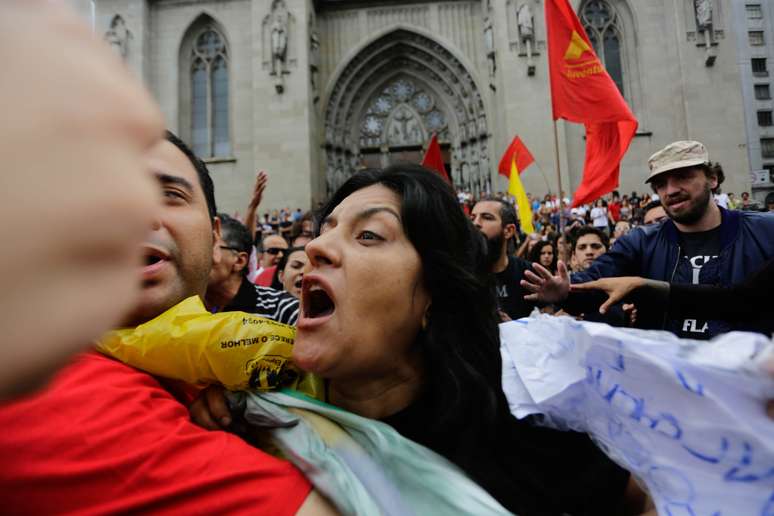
{"x": 75, "y": 127}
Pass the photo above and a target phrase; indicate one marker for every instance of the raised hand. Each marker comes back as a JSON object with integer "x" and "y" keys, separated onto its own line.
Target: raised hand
{"x": 546, "y": 287}
{"x": 261, "y": 179}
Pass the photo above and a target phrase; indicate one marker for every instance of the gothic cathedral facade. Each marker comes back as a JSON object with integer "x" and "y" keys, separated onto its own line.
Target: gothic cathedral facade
{"x": 313, "y": 90}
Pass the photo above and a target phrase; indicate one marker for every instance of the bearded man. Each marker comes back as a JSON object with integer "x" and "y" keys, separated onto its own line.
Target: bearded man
{"x": 497, "y": 221}
{"x": 699, "y": 243}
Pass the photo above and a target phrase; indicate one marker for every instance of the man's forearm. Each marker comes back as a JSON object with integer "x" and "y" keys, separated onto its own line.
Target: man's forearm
{"x": 250, "y": 221}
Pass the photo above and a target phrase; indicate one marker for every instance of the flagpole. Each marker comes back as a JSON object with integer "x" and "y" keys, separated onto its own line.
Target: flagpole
{"x": 558, "y": 178}
{"x": 543, "y": 175}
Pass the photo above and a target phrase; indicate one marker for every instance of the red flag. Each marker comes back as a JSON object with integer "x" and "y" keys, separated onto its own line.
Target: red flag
{"x": 583, "y": 92}
{"x": 433, "y": 159}
{"x": 523, "y": 157}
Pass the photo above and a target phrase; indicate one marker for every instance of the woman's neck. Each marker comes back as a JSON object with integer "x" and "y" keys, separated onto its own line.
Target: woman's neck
{"x": 377, "y": 398}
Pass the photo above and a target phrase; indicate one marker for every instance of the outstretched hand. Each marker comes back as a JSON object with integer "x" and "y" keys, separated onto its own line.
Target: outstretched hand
{"x": 617, "y": 289}
{"x": 547, "y": 287}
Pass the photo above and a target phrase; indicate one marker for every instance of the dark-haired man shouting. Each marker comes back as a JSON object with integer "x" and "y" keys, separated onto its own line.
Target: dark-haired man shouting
{"x": 105, "y": 438}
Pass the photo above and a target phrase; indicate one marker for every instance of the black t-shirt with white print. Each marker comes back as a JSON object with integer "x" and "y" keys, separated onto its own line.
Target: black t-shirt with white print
{"x": 698, "y": 249}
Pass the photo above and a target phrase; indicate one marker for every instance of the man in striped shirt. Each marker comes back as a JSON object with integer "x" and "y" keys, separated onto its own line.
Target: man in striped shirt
{"x": 229, "y": 290}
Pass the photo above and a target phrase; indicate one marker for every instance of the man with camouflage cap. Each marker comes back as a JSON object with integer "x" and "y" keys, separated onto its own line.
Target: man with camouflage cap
{"x": 699, "y": 242}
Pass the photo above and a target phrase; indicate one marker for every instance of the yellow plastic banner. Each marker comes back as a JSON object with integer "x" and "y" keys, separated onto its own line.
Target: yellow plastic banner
{"x": 238, "y": 350}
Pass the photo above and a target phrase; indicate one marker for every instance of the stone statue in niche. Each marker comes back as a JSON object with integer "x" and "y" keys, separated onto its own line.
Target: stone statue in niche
{"x": 118, "y": 36}
{"x": 704, "y": 26}
{"x": 279, "y": 39}
{"x": 703, "y": 14}
{"x": 314, "y": 61}
{"x": 404, "y": 128}
{"x": 526, "y": 22}
{"x": 277, "y": 27}
{"x": 489, "y": 44}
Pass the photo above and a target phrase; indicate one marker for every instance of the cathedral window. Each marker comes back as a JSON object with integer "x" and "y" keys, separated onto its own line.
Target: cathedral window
{"x": 601, "y": 23}
{"x": 210, "y": 95}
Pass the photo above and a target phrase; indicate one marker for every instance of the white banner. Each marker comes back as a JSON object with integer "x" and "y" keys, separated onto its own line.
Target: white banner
{"x": 686, "y": 417}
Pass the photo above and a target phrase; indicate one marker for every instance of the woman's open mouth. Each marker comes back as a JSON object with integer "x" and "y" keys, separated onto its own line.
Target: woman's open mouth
{"x": 317, "y": 304}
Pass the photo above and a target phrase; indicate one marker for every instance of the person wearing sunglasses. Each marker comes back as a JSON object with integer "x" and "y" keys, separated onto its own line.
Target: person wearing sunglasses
{"x": 230, "y": 290}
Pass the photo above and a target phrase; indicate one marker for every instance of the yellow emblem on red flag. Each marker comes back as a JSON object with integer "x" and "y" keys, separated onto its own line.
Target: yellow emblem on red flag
{"x": 576, "y": 48}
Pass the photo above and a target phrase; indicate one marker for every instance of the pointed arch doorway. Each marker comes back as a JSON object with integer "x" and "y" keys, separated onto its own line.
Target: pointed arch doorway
{"x": 389, "y": 99}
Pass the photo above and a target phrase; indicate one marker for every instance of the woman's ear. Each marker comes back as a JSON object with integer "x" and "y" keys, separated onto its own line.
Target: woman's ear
{"x": 426, "y": 316}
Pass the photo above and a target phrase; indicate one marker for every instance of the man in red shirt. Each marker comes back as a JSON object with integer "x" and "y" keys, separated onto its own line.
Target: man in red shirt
{"x": 615, "y": 207}
{"x": 106, "y": 438}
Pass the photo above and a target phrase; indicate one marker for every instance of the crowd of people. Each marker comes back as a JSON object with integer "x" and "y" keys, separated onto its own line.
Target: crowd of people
{"x": 607, "y": 211}
{"x": 395, "y": 286}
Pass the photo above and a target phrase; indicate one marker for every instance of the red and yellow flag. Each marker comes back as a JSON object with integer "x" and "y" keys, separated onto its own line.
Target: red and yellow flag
{"x": 583, "y": 92}
{"x": 515, "y": 159}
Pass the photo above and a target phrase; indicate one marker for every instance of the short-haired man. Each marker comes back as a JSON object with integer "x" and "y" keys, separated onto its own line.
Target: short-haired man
{"x": 270, "y": 252}
{"x": 106, "y": 438}
{"x": 229, "y": 289}
{"x": 496, "y": 219}
{"x": 654, "y": 213}
{"x": 588, "y": 244}
{"x": 700, "y": 243}
{"x": 621, "y": 228}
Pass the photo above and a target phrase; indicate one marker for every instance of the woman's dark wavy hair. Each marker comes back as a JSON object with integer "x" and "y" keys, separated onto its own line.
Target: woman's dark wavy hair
{"x": 460, "y": 344}
{"x": 534, "y": 255}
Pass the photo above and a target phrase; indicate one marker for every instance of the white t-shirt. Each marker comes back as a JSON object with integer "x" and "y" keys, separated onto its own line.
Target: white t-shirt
{"x": 599, "y": 217}
{"x": 722, "y": 200}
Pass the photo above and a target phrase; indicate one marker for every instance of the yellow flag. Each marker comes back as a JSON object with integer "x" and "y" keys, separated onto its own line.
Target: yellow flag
{"x": 516, "y": 189}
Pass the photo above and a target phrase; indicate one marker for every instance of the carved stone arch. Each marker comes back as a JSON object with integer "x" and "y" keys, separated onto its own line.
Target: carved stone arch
{"x": 433, "y": 74}
{"x": 386, "y": 31}
{"x": 436, "y": 103}
{"x": 199, "y": 24}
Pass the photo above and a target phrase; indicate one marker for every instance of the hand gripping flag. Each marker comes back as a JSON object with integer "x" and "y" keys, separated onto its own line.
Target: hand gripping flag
{"x": 583, "y": 92}
{"x": 433, "y": 159}
{"x": 517, "y": 158}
